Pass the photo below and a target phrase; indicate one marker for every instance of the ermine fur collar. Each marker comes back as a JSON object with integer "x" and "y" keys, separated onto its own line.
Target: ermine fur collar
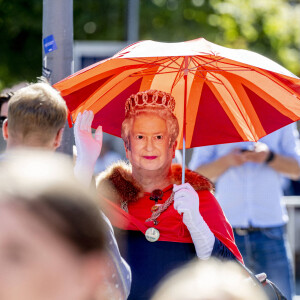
{"x": 118, "y": 185}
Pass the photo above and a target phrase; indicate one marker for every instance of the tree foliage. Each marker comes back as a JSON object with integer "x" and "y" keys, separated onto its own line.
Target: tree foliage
{"x": 269, "y": 27}
{"x": 21, "y": 39}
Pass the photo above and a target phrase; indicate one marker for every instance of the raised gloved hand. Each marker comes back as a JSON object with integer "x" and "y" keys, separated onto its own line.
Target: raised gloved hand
{"x": 88, "y": 147}
{"x": 186, "y": 202}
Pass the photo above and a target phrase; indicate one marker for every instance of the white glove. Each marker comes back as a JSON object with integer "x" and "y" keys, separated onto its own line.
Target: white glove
{"x": 186, "y": 201}
{"x": 88, "y": 147}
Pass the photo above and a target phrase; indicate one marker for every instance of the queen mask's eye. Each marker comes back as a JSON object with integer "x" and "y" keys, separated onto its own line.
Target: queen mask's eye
{"x": 139, "y": 137}
{"x": 159, "y": 137}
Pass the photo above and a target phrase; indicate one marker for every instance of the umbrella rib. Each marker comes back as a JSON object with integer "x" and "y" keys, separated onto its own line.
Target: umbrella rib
{"x": 202, "y": 62}
{"x": 258, "y": 70}
{"x": 197, "y": 69}
{"x": 199, "y": 63}
{"x": 174, "y": 69}
{"x": 236, "y": 106}
{"x": 276, "y": 82}
{"x": 174, "y": 60}
{"x": 154, "y": 64}
{"x": 204, "y": 77}
{"x": 178, "y": 76}
{"x": 112, "y": 87}
{"x": 198, "y": 60}
{"x": 168, "y": 66}
{"x": 163, "y": 67}
{"x": 142, "y": 73}
{"x": 147, "y": 72}
{"x": 145, "y": 59}
{"x": 205, "y": 62}
{"x": 157, "y": 62}
{"x": 248, "y": 68}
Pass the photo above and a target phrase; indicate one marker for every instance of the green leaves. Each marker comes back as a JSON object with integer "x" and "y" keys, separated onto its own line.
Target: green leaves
{"x": 270, "y": 27}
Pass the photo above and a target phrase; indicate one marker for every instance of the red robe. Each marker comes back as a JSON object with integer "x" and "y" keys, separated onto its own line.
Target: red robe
{"x": 118, "y": 184}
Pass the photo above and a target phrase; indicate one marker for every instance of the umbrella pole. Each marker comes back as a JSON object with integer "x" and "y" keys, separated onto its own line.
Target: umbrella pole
{"x": 184, "y": 117}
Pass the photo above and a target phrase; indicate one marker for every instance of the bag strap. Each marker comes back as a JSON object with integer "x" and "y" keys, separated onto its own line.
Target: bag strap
{"x": 270, "y": 288}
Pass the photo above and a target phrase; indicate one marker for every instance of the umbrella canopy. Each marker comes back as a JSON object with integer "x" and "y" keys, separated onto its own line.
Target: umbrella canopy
{"x": 227, "y": 95}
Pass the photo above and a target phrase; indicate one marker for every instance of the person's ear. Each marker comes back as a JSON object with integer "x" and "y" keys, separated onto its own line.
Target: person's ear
{"x": 5, "y": 129}
{"x": 127, "y": 148}
{"x": 174, "y": 148}
{"x": 58, "y": 138}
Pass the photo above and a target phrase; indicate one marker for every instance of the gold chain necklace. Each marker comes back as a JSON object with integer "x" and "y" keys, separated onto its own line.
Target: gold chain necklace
{"x": 152, "y": 234}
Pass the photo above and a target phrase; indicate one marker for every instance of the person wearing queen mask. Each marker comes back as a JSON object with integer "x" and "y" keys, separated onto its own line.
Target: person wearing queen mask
{"x": 160, "y": 223}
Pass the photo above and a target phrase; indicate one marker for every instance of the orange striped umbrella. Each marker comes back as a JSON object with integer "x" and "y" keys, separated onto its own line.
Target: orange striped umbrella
{"x": 222, "y": 95}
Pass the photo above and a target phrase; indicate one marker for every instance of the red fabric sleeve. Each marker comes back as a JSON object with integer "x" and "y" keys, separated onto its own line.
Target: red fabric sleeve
{"x": 214, "y": 217}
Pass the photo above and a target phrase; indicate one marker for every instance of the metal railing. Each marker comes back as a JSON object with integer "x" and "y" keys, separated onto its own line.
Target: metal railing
{"x": 293, "y": 230}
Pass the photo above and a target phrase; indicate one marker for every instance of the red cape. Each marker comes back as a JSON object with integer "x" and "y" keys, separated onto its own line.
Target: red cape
{"x": 170, "y": 224}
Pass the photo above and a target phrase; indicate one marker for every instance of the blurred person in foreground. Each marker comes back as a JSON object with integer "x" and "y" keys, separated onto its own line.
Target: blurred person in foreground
{"x": 159, "y": 222}
{"x": 36, "y": 118}
{"x": 209, "y": 280}
{"x": 248, "y": 180}
{"x": 52, "y": 238}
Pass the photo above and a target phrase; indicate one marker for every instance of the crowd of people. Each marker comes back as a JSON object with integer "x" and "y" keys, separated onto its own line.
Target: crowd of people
{"x": 65, "y": 235}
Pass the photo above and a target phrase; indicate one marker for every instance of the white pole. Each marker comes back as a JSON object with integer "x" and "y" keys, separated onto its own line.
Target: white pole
{"x": 184, "y": 117}
{"x": 58, "y": 50}
{"x": 133, "y": 21}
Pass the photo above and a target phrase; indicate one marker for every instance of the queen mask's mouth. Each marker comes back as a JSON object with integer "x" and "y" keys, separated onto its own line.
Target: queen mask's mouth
{"x": 150, "y": 157}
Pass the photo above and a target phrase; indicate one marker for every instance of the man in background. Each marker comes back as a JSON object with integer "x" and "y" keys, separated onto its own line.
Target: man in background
{"x": 36, "y": 118}
{"x": 249, "y": 188}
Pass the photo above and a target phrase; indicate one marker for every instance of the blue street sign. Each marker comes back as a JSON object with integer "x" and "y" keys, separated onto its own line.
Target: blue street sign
{"x": 49, "y": 44}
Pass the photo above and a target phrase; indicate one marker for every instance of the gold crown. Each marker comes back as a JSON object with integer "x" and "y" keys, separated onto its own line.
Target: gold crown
{"x": 152, "y": 98}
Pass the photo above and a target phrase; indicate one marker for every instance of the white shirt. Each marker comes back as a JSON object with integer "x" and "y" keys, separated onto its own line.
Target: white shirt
{"x": 251, "y": 194}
